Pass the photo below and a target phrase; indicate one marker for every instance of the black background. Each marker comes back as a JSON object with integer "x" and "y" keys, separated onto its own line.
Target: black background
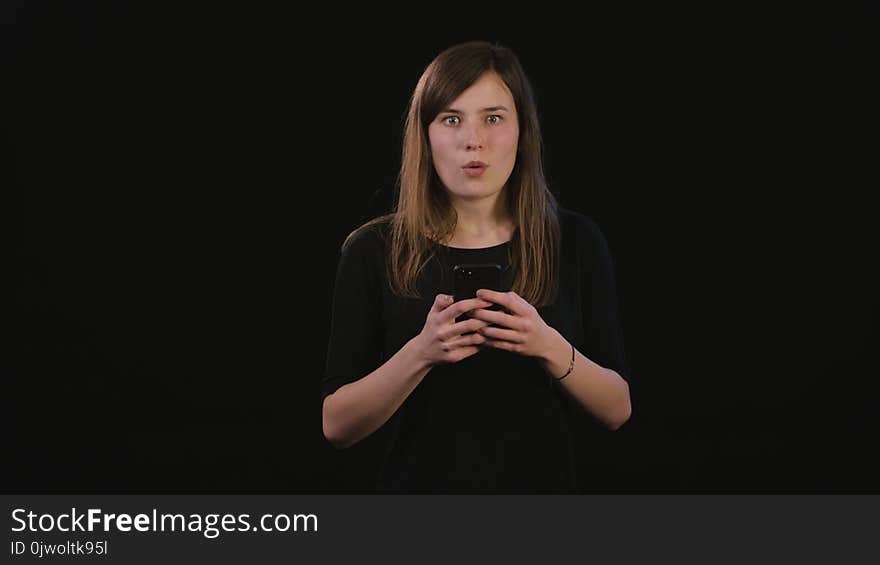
{"x": 181, "y": 180}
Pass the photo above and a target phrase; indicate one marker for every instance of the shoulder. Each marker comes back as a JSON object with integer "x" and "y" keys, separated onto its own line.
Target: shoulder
{"x": 368, "y": 239}
{"x": 362, "y": 254}
{"x": 580, "y": 228}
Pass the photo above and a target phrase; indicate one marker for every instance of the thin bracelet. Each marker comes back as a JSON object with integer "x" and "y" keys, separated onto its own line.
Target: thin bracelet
{"x": 570, "y": 367}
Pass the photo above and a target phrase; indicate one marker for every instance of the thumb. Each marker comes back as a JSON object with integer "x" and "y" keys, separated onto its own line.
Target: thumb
{"x": 441, "y": 301}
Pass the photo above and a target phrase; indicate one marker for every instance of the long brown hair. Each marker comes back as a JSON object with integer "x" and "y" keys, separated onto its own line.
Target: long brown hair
{"x": 424, "y": 214}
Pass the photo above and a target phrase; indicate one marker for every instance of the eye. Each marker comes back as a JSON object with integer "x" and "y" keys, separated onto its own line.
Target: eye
{"x": 444, "y": 120}
{"x": 498, "y": 121}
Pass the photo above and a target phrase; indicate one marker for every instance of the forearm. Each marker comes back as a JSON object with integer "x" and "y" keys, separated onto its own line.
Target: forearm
{"x": 598, "y": 390}
{"x": 358, "y": 409}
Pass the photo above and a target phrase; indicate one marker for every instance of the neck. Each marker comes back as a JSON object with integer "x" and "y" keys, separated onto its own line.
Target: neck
{"x": 484, "y": 220}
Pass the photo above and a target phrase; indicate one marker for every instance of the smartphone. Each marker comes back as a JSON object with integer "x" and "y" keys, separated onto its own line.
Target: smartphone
{"x": 468, "y": 278}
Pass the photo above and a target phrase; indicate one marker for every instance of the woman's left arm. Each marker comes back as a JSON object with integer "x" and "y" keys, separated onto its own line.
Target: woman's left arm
{"x": 600, "y": 391}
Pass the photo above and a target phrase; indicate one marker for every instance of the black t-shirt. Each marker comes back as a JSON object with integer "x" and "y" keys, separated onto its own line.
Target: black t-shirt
{"x": 495, "y": 421}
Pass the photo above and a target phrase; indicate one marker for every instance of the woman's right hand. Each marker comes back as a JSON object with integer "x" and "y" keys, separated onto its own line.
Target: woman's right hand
{"x": 441, "y": 339}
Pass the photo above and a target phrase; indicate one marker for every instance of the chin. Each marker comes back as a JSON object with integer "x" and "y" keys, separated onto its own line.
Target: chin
{"x": 473, "y": 194}
{"x": 475, "y": 189}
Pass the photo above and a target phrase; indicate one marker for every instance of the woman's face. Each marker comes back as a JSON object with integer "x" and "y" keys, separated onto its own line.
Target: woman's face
{"x": 480, "y": 125}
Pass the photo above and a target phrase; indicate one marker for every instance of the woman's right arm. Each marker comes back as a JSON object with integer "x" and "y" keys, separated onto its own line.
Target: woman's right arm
{"x": 357, "y": 409}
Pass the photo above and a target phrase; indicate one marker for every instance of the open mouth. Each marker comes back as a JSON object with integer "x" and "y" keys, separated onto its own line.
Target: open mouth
{"x": 474, "y": 171}
{"x": 474, "y": 168}
{"x": 475, "y": 165}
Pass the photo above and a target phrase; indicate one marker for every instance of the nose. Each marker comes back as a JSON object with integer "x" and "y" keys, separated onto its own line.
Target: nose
{"x": 473, "y": 138}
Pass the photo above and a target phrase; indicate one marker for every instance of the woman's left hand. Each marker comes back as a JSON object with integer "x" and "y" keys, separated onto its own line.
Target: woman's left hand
{"x": 522, "y": 330}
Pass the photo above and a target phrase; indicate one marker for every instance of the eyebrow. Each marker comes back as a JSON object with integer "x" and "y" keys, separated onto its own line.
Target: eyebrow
{"x": 490, "y": 109}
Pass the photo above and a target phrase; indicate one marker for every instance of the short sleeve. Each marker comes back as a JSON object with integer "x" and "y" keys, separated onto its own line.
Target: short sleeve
{"x": 602, "y": 328}
{"x": 356, "y": 326}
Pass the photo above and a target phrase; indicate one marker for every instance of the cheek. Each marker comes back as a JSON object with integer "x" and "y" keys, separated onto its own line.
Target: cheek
{"x": 440, "y": 150}
{"x": 507, "y": 140}
{"x": 507, "y": 135}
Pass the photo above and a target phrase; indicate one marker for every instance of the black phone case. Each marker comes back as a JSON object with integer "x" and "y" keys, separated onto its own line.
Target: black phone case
{"x": 468, "y": 278}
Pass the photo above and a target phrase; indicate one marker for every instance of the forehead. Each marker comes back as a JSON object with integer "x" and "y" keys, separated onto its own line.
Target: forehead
{"x": 488, "y": 90}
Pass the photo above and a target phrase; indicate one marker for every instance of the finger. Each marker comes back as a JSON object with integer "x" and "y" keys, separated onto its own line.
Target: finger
{"x": 441, "y": 302}
{"x": 501, "y": 334}
{"x": 509, "y": 300}
{"x": 464, "y": 341}
{"x": 462, "y": 306}
{"x": 502, "y": 344}
{"x": 462, "y": 353}
{"x": 462, "y": 328}
{"x": 500, "y": 318}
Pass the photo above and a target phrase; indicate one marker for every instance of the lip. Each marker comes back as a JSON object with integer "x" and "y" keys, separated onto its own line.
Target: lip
{"x": 475, "y": 172}
{"x": 475, "y": 168}
{"x": 475, "y": 164}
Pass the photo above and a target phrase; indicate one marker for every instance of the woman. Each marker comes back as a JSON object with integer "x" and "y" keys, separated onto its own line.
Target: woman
{"x": 479, "y": 405}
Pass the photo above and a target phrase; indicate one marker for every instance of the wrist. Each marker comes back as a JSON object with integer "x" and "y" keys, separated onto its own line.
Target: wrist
{"x": 557, "y": 356}
{"x": 418, "y": 351}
